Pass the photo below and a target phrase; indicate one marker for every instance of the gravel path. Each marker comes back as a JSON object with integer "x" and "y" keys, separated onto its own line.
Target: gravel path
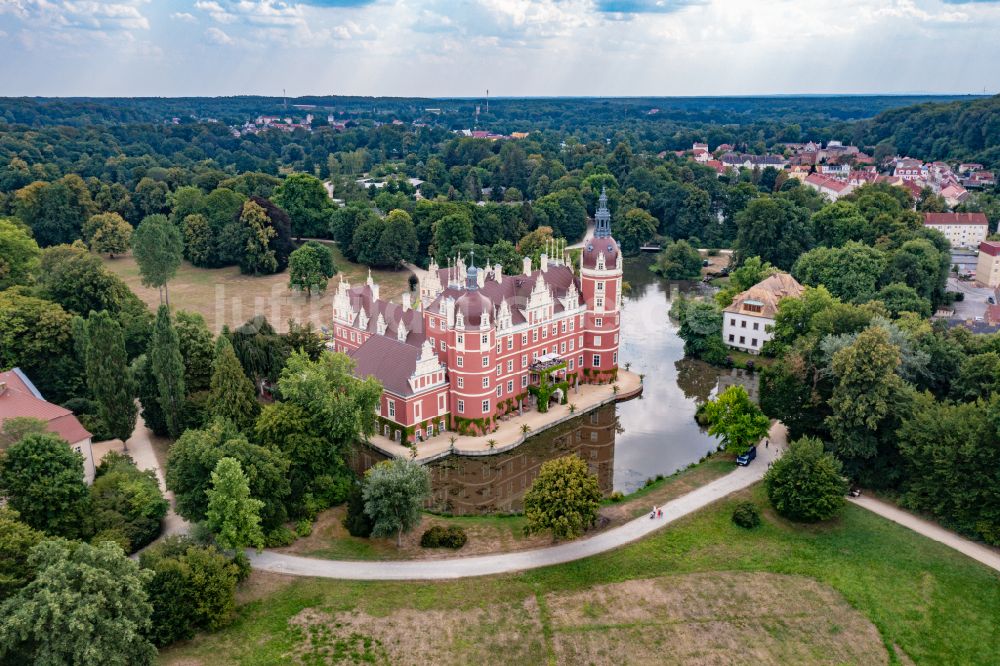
{"x": 977, "y": 551}
{"x": 461, "y": 567}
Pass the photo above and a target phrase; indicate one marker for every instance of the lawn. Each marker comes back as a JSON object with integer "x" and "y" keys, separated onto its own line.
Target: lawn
{"x": 225, "y": 297}
{"x": 858, "y": 590}
{"x": 493, "y": 534}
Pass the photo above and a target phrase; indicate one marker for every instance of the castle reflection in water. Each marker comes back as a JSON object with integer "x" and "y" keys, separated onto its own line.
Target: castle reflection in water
{"x": 475, "y": 485}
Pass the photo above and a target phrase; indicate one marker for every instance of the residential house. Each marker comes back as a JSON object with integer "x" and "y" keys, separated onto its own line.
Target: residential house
{"x": 19, "y": 398}
{"x": 834, "y": 188}
{"x": 988, "y": 264}
{"x": 961, "y": 229}
{"x": 748, "y": 321}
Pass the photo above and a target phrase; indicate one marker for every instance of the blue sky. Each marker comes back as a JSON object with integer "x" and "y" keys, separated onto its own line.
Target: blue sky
{"x": 511, "y": 47}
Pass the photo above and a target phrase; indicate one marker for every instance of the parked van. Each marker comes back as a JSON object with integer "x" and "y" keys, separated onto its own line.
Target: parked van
{"x": 747, "y": 457}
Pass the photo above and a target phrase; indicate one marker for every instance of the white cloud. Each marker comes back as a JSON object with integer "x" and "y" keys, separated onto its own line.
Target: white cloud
{"x": 218, "y": 36}
{"x": 184, "y": 17}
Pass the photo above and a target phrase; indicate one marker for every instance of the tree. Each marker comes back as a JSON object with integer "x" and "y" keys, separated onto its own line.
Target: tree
{"x": 197, "y": 347}
{"x": 365, "y": 241}
{"x": 193, "y": 589}
{"x": 42, "y": 479}
{"x": 18, "y": 254}
{"x": 108, "y": 233}
{"x": 633, "y": 229}
{"x": 86, "y": 606}
{"x": 839, "y": 222}
{"x": 868, "y": 400}
{"x": 394, "y": 492}
{"x": 257, "y": 256}
{"x": 678, "y": 261}
{"x": 950, "y": 452}
{"x": 126, "y": 502}
{"x": 919, "y": 264}
{"x": 168, "y": 367}
{"x": 737, "y": 420}
{"x": 805, "y": 483}
{"x": 398, "y": 242}
{"x": 701, "y": 329}
{"x": 158, "y": 248}
{"x": 16, "y": 541}
{"x": 898, "y": 297}
{"x": 450, "y": 232}
{"x": 563, "y": 498}
{"x": 774, "y": 229}
{"x": 310, "y": 267}
{"x": 108, "y": 377}
{"x": 749, "y": 273}
{"x": 851, "y": 272}
{"x": 194, "y": 456}
{"x": 16, "y": 428}
{"x": 307, "y": 203}
{"x": 232, "y": 394}
{"x": 232, "y": 514}
{"x": 54, "y": 211}
{"x": 198, "y": 245}
{"x": 35, "y": 335}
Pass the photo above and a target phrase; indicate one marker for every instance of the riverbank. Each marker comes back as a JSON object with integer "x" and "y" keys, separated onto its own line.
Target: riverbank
{"x": 511, "y": 432}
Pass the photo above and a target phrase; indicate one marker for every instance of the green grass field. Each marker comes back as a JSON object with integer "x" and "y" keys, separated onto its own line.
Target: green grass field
{"x": 920, "y": 601}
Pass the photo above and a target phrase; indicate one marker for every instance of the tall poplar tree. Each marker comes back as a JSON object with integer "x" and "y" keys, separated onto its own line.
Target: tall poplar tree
{"x": 158, "y": 248}
{"x": 233, "y": 515}
{"x": 108, "y": 375}
{"x": 232, "y": 394}
{"x": 168, "y": 367}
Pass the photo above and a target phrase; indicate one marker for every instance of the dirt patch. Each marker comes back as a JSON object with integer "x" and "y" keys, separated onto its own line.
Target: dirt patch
{"x": 261, "y": 584}
{"x": 508, "y": 633}
{"x": 224, "y": 296}
{"x": 716, "y": 263}
{"x": 712, "y": 618}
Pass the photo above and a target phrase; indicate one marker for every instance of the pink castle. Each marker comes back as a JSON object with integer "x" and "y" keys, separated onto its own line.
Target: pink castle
{"x": 478, "y": 340}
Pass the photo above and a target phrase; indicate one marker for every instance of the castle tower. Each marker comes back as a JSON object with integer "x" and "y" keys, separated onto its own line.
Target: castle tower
{"x": 601, "y": 283}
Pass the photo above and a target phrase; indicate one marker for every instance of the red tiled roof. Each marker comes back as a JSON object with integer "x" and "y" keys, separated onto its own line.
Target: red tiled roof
{"x": 991, "y": 248}
{"x": 956, "y": 218}
{"x": 819, "y": 180}
{"x": 387, "y": 359}
{"x": 17, "y": 400}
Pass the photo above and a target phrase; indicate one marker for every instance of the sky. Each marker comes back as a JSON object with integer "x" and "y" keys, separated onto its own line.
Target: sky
{"x": 438, "y": 48}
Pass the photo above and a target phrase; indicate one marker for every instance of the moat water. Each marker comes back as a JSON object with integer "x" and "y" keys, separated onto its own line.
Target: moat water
{"x": 624, "y": 443}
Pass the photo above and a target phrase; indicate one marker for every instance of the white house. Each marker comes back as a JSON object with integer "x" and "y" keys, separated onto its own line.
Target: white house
{"x": 748, "y": 321}
{"x": 961, "y": 229}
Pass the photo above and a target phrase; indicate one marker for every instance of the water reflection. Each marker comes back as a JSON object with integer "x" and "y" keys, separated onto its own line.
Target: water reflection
{"x": 624, "y": 444}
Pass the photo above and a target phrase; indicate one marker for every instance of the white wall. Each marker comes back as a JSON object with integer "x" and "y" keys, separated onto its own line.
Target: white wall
{"x": 742, "y": 325}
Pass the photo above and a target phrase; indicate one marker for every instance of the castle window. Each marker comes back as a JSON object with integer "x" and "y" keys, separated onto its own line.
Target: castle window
{"x": 600, "y": 302}
{"x": 392, "y": 408}
{"x": 444, "y": 347}
{"x": 600, "y": 286}
{"x": 486, "y": 382}
{"x": 486, "y": 406}
{"x": 524, "y": 338}
{"x": 524, "y": 380}
{"x": 510, "y": 343}
{"x": 461, "y": 382}
{"x": 510, "y": 366}
{"x": 433, "y": 325}
{"x": 614, "y": 358}
{"x": 486, "y": 361}
{"x": 534, "y": 335}
{"x": 486, "y": 339}
{"x": 461, "y": 339}
{"x": 459, "y": 361}
{"x": 597, "y": 339}
{"x": 499, "y": 391}
{"x": 598, "y": 322}
{"x": 510, "y": 386}
{"x": 597, "y": 361}
{"x": 461, "y": 406}
{"x": 524, "y": 360}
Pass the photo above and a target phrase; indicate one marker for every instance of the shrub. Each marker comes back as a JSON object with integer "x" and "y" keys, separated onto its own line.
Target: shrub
{"x": 805, "y": 484}
{"x": 616, "y": 496}
{"x": 304, "y": 527}
{"x": 746, "y": 515}
{"x": 127, "y": 501}
{"x": 357, "y": 521}
{"x": 279, "y": 536}
{"x": 443, "y": 537}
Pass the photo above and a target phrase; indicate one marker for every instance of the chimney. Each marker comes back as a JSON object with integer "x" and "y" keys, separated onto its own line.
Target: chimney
{"x": 406, "y": 302}
{"x": 3, "y": 387}
{"x": 545, "y": 262}
{"x": 527, "y": 265}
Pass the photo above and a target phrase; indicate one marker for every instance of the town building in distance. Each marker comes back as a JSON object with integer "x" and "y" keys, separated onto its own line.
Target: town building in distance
{"x": 479, "y": 344}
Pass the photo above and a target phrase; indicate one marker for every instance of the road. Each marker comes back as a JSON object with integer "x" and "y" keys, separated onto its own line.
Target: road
{"x": 461, "y": 567}
{"x": 988, "y": 556}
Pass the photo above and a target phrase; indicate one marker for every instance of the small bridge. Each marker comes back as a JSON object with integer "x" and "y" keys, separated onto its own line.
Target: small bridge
{"x": 650, "y": 247}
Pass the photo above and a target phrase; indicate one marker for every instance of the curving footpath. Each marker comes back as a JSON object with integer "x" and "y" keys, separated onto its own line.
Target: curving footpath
{"x": 483, "y": 565}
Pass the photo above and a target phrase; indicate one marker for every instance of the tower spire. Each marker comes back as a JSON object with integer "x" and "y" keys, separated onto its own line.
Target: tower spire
{"x": 602, "y": 218}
